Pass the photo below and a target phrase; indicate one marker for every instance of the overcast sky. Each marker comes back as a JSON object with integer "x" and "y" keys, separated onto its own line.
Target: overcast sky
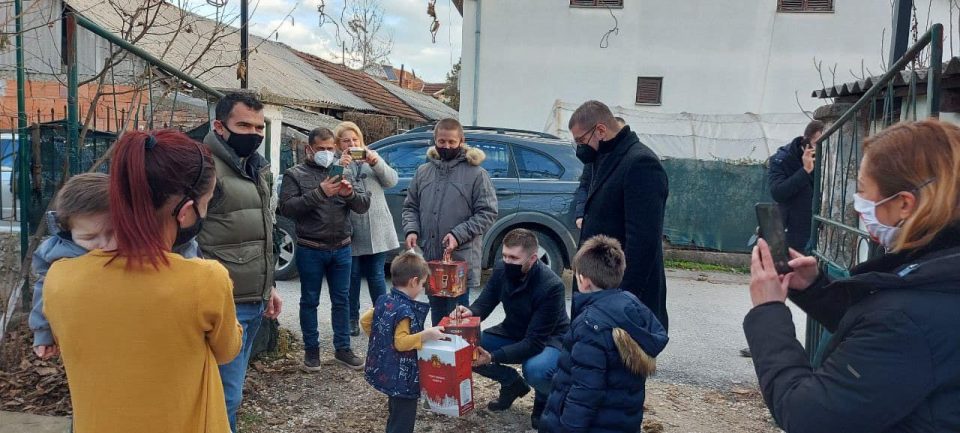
{"x": 406, "y": 19}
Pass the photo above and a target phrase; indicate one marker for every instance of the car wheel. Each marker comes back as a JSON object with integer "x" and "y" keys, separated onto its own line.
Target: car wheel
{"x": 549, "y": 253}
{"x": 287, "y": 258}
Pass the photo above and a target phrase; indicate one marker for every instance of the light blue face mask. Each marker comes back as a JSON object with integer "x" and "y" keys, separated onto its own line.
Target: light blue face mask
{"x": 881, "y": 233}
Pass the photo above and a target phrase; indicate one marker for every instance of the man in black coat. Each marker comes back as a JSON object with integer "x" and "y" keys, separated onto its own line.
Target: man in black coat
{"x": 580, "y": 197}
{"x": 625, "y": 200}
{"x": 531, "y": 333}
{"x": 791, "y": 184}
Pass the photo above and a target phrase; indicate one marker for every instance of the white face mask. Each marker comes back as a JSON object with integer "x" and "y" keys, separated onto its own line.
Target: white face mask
{"x": 885, "y": 235}
{"x": 323, "y": 158}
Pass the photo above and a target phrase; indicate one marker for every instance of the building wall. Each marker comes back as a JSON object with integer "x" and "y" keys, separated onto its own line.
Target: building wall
{"x": 716, "y": 57}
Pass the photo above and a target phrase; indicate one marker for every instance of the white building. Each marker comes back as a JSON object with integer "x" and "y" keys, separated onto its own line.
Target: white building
{"x": 520, "y": 58}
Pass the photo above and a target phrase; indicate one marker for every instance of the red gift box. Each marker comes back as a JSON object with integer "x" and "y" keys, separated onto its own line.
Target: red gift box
{"x": 448, "y": 278}
{"x": 466, "y": 327}
{"x": 446, "y": 375}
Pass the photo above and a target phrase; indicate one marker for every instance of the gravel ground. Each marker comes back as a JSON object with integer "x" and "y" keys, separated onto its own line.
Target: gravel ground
{"x": 702, "y": 384}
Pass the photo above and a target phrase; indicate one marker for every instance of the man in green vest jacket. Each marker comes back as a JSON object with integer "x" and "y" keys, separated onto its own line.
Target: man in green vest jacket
{"x": 238, "y": 228}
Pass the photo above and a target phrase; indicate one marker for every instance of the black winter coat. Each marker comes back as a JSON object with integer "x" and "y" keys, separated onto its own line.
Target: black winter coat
{"x": 626, "y": 201}
{"x": 594, "y": 390}
{"x": 535, "y": 314}
{"x": 792, "y": 188}
{"x": 893, "y": 364}
{"x": 580, "y": 197}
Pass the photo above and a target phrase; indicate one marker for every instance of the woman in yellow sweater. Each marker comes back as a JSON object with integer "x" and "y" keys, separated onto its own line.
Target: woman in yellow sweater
{"x": 141, "y": 330}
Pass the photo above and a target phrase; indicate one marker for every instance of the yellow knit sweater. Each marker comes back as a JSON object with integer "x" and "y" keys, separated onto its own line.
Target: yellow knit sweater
{"x": 141, "y": 347}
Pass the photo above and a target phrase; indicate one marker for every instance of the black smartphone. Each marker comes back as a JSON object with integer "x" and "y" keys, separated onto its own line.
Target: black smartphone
{"x": 771, "y": 230}
{"x": 335, "y": 170}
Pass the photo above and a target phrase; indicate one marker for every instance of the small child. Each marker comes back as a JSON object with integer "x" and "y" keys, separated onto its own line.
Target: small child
{"x": 81, "y": 223}
{"x": 395, "y": 326}
{"x": 608, "y": 352}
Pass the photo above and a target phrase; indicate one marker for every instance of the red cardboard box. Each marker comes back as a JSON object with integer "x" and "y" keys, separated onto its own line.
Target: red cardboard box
{"x": 446, "y": 376}
{"x": 466, "y": 327}
{"x": 448, "y": 278}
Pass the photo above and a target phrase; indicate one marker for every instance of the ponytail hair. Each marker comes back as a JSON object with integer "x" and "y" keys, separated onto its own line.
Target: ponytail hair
{"x": 147, "y": 169}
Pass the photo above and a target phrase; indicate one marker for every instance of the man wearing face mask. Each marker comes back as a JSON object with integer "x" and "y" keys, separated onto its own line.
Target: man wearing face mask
{"x": 238, "y": 227}
{"x": 320, "y": 202}
{"x": 530, "y": 334}
{"x": 450, "y": 204}
{"x": 625, "y": 199}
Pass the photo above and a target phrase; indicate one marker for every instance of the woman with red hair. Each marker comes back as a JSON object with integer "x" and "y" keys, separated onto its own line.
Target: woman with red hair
{"x": 142, "y": 330}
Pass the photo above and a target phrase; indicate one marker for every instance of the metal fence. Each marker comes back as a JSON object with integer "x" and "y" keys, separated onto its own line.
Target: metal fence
{"x": 837, "y": 240}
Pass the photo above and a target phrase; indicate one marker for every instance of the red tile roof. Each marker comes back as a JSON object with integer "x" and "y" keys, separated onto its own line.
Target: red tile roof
{"x": 364, "y": 86}
{"x": 431, "y": 88}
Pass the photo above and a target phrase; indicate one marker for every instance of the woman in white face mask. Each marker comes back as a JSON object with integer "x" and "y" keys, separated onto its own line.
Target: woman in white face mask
{"x": 893, "y": 363}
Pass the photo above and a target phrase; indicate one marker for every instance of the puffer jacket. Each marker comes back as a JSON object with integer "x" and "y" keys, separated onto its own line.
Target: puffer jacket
{"x": 601, "y": 375}
{"x": 792, "y": 188}
{"x": 322, "y": 222}
{"x": 455, "y": 197}
{"x": 893, "y": 363}
{"x": 61, "y": 246}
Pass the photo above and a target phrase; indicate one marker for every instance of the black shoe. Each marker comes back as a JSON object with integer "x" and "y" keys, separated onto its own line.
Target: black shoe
{"x": 539, "y": 404}
{"x": 347, "y": 358}
{"x": 746, "y": 353}
{"x": 508, "y": 394}
{"x": 354, "y": 329}
{"x": 311, "y": 361}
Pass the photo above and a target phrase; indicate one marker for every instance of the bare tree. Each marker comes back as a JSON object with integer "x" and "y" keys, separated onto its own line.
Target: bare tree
{"x": 359, "y": 33}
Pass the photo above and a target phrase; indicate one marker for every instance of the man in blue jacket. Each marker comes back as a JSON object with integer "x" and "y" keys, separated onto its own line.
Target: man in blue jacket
{"x": 530, "y": 335}
{"x": 791, "y": 184}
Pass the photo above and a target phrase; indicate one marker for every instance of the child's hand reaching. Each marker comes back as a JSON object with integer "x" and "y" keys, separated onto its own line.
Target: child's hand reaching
{"x": 47, "y": 352}
{"x": 432, "y": 334}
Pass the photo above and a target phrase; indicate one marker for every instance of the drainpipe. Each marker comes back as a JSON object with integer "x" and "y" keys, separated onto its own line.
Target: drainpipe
{"x": 476, "y": 65}
{"x": 24, "y": 156}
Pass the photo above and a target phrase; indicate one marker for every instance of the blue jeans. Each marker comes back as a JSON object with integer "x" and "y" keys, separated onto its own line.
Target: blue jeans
{"x": 442, "y": 307}
{"x": 538, "y": 371}
{"x": 371, "y": 268}
{"x": 233, "y": 374}
{"x": 313, "y": 265}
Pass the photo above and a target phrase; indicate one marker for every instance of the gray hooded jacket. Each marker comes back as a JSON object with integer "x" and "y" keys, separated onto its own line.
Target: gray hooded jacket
{"x": 454, "y": 197}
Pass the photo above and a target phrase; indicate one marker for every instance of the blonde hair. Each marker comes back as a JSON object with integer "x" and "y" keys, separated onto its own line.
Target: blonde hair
{"x": 348, "y": 126}
{"x": 924, "y": 158}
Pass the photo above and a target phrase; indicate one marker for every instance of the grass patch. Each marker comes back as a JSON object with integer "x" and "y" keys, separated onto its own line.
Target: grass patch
{"x": 706, "y": 267}
{"x": 247, "y": 420}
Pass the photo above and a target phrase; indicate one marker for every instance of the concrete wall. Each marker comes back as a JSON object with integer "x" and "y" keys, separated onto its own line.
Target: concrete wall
{"x": 718, "y": 57}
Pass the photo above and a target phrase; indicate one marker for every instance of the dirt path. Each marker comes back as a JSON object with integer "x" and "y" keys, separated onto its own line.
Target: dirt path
{"x": 279, "y": 398}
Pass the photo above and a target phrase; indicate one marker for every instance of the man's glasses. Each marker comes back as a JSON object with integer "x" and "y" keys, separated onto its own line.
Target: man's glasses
{"x": 579, "y": 140}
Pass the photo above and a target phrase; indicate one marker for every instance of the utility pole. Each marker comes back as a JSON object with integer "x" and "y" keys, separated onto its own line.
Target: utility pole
{"x": 244, "y": 47}
{"x": 902, "y": 10}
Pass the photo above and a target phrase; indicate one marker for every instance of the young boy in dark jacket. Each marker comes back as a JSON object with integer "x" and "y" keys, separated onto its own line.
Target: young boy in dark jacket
{"x": 395, "y": 326}
{"x": 608, "y": 353}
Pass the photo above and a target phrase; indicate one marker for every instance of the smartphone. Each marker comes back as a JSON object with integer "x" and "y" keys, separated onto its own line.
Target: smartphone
{"x": 335, "y": 170}
{"x": 358, "y": 153}
{"x": 771, "y": 230}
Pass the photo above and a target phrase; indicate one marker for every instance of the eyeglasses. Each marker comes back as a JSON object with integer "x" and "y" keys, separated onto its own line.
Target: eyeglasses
{"x": 579, "y": 140}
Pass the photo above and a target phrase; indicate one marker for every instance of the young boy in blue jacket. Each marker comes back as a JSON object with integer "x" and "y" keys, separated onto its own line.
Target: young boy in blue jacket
{"x": 608, "y": 353}
{"x": 80, "y": 224}
{"x": 395, "y": 326}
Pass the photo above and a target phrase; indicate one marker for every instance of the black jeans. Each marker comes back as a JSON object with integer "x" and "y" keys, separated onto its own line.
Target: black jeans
{"x": 403, "y": 415}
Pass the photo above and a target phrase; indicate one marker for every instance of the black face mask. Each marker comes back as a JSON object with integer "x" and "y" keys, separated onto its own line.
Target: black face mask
{"x": 243, "y": 144}
{"x": 586, "y": 154}
{"x": 185, "y": 234}
{"x": 448, "y": 154}
{"x": 514, "y": 273}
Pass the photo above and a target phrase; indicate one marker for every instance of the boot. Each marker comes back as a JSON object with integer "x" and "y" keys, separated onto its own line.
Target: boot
{"x": 539, "y": 404}
{"x": 354, "y": 328}
{"x": 508, "y": 394}
{"x": 311, "y": 360}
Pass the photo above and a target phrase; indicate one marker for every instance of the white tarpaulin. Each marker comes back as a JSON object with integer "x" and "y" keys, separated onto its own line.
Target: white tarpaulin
{"x": 739, "y": 138}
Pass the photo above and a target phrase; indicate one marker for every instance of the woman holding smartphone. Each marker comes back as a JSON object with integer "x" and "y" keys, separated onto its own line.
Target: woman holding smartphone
{"x": 893, "y": 364}
{"x": 373, "y": 232}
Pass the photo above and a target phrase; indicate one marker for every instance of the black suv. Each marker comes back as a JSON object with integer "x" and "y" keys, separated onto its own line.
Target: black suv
{"x": 535, "y": 174}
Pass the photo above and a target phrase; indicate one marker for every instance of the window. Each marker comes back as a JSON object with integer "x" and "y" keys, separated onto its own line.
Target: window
{"x": 405, "y": 158}
{"x": 535, "y": 165}
{"x": 804, "y": 5}
{"x": 596, "y": 3}
{"x": 649, "y": 90}
{"x": 497, "y": 163}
